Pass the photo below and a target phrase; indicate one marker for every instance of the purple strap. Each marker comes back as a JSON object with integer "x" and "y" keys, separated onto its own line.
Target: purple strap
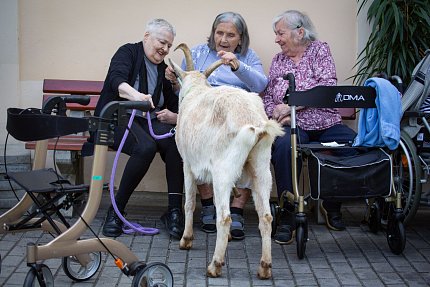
{"x": 129, "y": 227}
{"x": 158, "y": 137}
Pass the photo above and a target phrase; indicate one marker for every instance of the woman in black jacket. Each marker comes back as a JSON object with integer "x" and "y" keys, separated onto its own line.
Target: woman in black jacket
{"x": 136, "y": 73}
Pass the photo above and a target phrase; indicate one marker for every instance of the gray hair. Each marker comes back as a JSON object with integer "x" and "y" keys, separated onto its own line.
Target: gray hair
{"x": 295, "y": 19}
{"x": 239, "y": 23}
{"x": 156, "y": 25}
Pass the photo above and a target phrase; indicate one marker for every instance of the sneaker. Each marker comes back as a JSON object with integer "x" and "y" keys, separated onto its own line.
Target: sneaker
{"x": 333, "y": 219}
{"x": 112, "y": 226}
{"x": 208, "y": 219}
{"x": 236, "y": 227}
{"x": 173, "y": 219}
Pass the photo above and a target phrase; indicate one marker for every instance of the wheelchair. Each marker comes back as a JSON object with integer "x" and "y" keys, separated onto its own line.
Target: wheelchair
{"x": 411, "y": 160}
{"x": 367, "y": 175}
{"x": 81, "y": 258}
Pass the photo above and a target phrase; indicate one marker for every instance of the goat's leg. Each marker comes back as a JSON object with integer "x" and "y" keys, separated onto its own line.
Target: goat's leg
{"x": 261, "y": 195}
{"x": 189, "y": 207}
{"x": 223, "y": 222}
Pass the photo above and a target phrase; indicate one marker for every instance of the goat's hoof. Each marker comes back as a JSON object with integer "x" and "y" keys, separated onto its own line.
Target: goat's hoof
{"x": 265, "y": 270}
{"x": 186, "y": 243}
{"x": 214, "y": 269}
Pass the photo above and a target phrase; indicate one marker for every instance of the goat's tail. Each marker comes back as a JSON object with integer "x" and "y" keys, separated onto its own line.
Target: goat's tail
{"x": 273, "y": 129}
{"x": 248, "y": 137}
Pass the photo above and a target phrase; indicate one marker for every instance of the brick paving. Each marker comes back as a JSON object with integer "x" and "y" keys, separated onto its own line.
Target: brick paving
{"x": 355, "y": 257}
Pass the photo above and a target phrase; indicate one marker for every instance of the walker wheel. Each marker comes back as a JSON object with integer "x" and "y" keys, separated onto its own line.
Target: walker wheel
{"x": 75, "y": 271}
{"x": 301, "y": 240}
{"x": 396, "y": 236}
{"x": 375, "y": 218}
{"x": 154, "y": 274}
{"x": 39, "y": 276}
{"x": 273, "y": 208}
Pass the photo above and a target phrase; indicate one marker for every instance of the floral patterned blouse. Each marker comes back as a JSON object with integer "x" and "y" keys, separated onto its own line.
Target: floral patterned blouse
{"x": 316, "y": 68}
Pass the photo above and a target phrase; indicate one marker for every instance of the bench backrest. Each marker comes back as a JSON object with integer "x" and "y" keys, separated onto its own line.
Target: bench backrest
{"x": 52, "y": 87}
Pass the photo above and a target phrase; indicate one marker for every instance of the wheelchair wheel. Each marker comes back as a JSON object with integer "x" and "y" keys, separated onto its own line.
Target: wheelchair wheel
{"x": 396, "y": 236}
{"x": 273, "y": 208}
{"x": 407, "y": 176}
{"x": 75, "y": 271}
{"x": 45, "y": 273}
{"x": 154, "y": 274}
{"x": 375, "y": 218}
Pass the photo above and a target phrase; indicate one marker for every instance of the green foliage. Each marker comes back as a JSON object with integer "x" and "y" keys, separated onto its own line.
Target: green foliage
{"x": 400, "y": 35}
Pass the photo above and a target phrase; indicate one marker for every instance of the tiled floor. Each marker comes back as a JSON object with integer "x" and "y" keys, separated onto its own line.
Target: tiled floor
{"x": 355, "y": 257}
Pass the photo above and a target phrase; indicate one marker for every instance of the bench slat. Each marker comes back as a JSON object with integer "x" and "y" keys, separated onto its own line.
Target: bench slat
{"x": 73, "y": 87}
{"x": 65, "y": 143}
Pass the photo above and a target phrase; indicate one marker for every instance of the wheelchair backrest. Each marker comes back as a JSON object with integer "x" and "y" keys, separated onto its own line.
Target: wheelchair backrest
{"x": 419, "y": 88}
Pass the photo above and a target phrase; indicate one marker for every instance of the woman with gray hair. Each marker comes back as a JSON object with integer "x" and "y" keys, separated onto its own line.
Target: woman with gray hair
{"x": 229, "y": 41}
{"x": 312, "y": 64}
{"x": 136, "y": 73}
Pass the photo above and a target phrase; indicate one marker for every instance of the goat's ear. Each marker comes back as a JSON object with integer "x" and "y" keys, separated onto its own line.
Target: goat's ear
{"x": 178, "y": 71}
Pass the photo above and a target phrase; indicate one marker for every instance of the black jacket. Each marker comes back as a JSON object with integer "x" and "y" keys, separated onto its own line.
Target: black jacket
{"x": 124, "y": 67}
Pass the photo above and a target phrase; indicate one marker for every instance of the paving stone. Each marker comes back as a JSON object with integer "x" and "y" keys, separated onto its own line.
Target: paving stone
{"x": 355, "y": 257}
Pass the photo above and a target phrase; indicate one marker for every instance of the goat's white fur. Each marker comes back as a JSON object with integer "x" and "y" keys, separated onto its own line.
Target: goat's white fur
{"x": 224, "y": 136}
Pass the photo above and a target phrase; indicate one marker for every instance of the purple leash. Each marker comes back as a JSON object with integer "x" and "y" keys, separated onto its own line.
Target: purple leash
{"x": 159, "y": 137}
{"x": 132, "y": 227}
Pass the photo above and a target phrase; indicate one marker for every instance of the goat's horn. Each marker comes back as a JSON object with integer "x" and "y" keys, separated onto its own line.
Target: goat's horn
{"x": 187, "y": 53}
{"x": 212, "y": 68}
{"x": 177, "y": 69}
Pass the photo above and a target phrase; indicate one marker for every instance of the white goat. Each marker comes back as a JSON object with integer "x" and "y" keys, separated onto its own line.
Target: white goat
{"x": 224, "y": 136}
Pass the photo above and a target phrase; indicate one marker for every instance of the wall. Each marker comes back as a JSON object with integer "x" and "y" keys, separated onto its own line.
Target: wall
{"x": 76, "y": 39}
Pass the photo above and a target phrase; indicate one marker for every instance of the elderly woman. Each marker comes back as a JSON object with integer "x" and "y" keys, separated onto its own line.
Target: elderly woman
{"x": 136, "y": 73}
{"x": 312, "y": 64}
{"x": 229, "y": 41}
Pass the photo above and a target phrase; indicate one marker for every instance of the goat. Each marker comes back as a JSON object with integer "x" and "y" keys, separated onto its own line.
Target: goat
{"x": 223, "y": 135}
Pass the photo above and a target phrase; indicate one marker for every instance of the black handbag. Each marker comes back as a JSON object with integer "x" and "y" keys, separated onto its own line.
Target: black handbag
{"x": 364, "y": 175}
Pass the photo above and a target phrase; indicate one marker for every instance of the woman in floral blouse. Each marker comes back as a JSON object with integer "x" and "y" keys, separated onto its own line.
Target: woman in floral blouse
{"x": 312, "y": 64}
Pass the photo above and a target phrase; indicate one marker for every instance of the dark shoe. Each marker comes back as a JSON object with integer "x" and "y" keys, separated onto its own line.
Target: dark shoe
{"x": 285, "y": 234}
{"x": 208, "y": 219}
{"x": 286, "y": 230}
{"x": 236, "y": 228}
{"x": 174, "y": 222}
{"x": 333, "y": 219}
{"x": 112, "y": 226}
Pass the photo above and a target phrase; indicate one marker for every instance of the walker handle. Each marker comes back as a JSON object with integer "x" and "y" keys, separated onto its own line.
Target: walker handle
{"x": 291, "y": 86}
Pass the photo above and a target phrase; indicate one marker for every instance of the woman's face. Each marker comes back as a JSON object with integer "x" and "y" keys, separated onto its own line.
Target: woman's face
{"x": 226, "y": 37}
{"x": 157, "y": 45}
{"x": 286, "y": 38}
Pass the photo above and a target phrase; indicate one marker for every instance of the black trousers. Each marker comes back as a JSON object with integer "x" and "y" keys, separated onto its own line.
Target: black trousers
{"x": 141, "y": 148}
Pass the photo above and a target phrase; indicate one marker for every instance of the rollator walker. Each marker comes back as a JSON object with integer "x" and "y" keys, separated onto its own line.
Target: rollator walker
{"x": 320, "y": 165}
{"x": 81, "y": 258}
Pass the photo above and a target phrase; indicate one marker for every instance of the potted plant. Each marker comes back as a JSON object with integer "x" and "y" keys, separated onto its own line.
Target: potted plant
{"x": 398, "y": 40}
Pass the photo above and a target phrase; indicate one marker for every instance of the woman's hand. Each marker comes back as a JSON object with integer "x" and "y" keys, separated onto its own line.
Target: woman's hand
{"x": 171, "y": 76}
{"x": 167, "y": 117}
{"x": 281, "y": 111}
{"x": 128, "y": 92}
{"x": 228, "y": 58}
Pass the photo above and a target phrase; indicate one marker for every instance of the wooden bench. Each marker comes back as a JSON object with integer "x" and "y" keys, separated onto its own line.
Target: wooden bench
{"x": 71, "y": 143}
